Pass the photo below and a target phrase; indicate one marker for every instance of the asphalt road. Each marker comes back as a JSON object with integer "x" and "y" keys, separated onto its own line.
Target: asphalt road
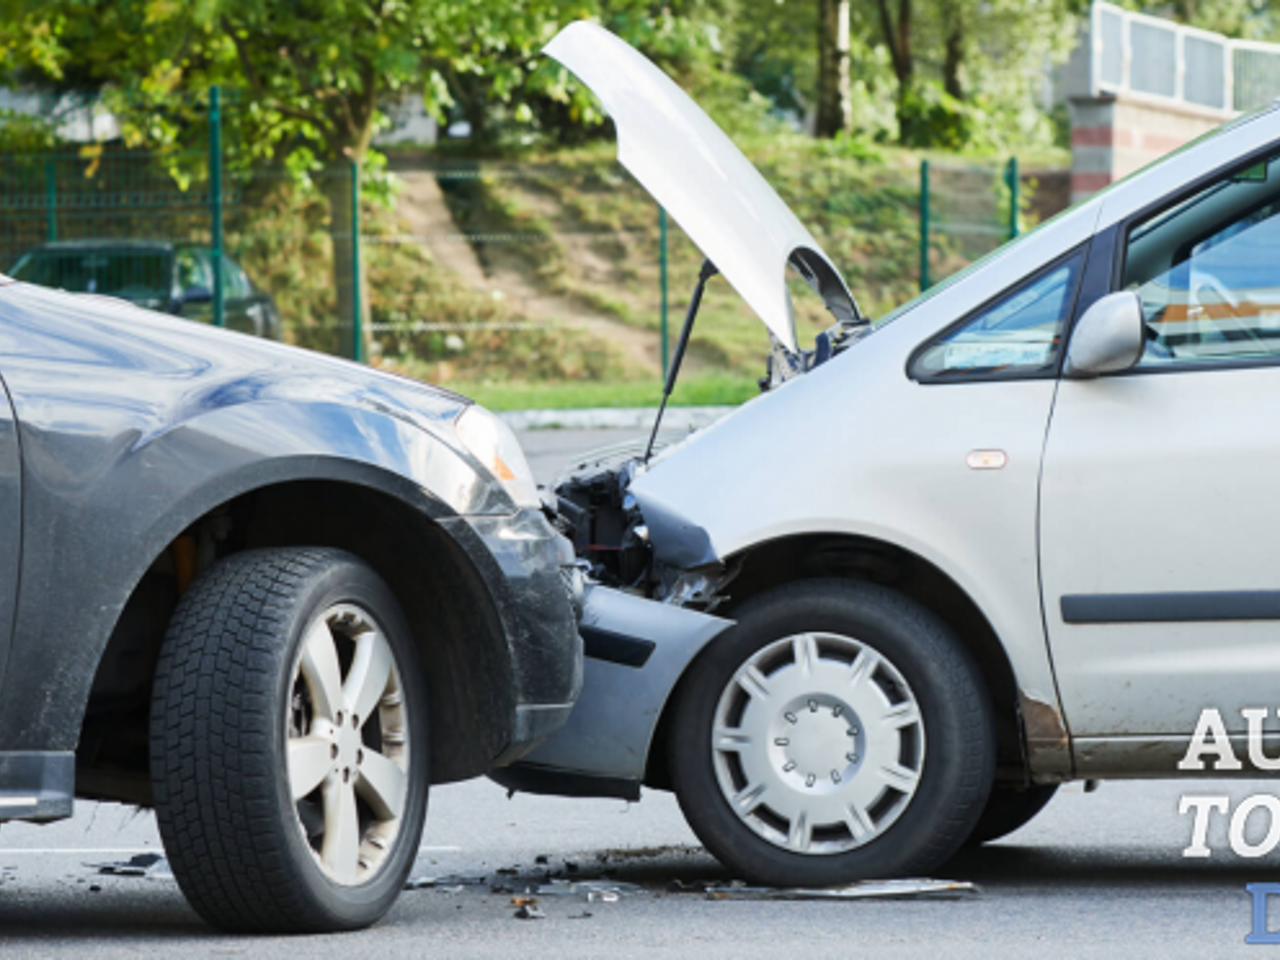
{"x": 1095, "y": 875}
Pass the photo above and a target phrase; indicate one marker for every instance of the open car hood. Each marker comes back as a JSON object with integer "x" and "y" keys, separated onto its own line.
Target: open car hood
{"x": 697, "y": 173}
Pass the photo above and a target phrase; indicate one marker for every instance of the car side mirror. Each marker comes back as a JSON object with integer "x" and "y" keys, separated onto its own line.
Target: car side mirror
{"x": 197, "y": 295}
{"x": 1108, "y": 338}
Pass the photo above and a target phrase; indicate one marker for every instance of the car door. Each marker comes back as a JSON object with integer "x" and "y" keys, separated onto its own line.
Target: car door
{"x": 10, "y": 518}
{"x": 1160, "y": 489}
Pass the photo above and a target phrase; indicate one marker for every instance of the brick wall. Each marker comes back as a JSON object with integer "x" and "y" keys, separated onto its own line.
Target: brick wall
{"x": 1111, "y": 138}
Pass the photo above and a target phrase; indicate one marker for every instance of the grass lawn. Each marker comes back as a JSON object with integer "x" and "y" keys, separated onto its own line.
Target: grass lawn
{"x": 717, "y": 390}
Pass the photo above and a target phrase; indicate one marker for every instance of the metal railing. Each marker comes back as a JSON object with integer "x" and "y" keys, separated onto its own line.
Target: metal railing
{"x": 1151, "y": 58}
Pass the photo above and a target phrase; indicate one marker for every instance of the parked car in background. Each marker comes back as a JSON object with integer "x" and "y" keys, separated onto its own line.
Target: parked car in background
{"x": 1018, "y": 532}
{"x": 173, "y": 278}
{"x": 272, "y": 594}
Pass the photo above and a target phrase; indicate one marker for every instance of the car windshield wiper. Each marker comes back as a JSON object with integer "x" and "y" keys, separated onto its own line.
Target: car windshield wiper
{"x": 706, "y": 273}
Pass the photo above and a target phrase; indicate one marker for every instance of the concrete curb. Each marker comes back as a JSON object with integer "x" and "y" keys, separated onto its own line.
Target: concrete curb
{"x": 612, "y": 418}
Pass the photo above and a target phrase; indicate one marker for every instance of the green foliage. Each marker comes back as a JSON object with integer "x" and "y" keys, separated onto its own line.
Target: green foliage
{"x": 706, "y": 390}
{"x": 1243, "y": 19}
{"x": 23, "y": 134}
{"x": 931, "y": 117}
{"x": 284, "y": 244}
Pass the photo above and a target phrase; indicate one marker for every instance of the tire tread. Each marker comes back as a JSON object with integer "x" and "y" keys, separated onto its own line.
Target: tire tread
{"x": 215, "y": 690}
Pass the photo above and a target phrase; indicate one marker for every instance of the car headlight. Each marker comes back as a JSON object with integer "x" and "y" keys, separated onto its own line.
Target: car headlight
{"x": 496, "y": 447}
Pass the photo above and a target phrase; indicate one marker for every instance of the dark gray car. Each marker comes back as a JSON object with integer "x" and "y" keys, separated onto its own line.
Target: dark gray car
{"x": 176, "y": 278}
{"x": 270, "y": 593}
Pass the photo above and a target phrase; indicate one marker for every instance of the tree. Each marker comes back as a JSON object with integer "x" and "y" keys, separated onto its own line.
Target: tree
{"x": 896, "y": 34}
{"x": 835, "y": 109}
{"x": 967, "y": 71}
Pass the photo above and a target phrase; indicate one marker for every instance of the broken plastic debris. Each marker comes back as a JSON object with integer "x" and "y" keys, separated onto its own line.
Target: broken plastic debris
{"x": 865, "y": 890}
{"x": 602, "y": 891}
{"x": 448, "y": 883}
{"x": 150, "y": 865}
{"x": 693, "y": 886}
{"x": 530, "y": 912}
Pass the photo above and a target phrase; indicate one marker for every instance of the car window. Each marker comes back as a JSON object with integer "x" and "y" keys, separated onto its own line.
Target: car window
{"x": 193, "y": 270}
{"x": 139, "y": 275}
{"x": 1208, "y": 273}
{"x": 236, "y": 285}
{"x": 1019, "y": 335}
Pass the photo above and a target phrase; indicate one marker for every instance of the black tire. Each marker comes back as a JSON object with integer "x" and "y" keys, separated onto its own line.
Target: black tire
{"x": 954, "y": 774}
{"x": 1009, "y": 808}
{"x": 221, "y": 716}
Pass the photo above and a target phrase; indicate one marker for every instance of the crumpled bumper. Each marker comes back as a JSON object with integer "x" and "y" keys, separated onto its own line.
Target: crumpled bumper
{"x": 538, "y": 598}
{"x": 637, "y": 650}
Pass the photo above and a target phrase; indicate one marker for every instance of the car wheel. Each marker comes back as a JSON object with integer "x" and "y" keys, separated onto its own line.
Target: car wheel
{"x": 289, "y": 743}
{"x": 838, "y": 732}
{"x": 1009, "y": 808}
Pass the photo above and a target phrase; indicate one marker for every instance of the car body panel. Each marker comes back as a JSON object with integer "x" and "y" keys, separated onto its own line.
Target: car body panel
{"x": 134, "y": 424}
{"x": 697, "y": 173}
{"x": 1160, "y": 484}
{"x": 10, "y": 521}
{"x": 1127, "y": 511}
{"x": 611, "y": 729}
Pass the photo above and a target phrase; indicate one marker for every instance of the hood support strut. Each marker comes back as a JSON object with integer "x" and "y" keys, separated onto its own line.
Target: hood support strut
{"x": 706, "y": 273}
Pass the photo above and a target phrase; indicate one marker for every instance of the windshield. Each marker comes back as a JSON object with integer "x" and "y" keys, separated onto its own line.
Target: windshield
{"x": 142, "y": 275}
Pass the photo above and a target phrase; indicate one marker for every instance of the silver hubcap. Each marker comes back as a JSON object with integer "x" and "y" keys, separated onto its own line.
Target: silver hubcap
{"x": 348, "y": 744}
{"x": 818, "y": 743}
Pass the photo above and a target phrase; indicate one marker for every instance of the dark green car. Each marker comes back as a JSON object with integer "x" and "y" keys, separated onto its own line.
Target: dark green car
{"x": 173, "y": 278}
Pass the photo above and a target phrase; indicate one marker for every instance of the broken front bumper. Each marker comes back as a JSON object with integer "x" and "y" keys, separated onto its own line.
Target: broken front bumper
{"x": 537, "y": 593}
{"x": 636, "y": 652}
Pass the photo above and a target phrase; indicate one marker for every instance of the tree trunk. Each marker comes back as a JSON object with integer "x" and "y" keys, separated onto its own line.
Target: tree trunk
{"x": 897, "y": 37}
{"x": 953, "y": 59}
{"x": 338, "y": 183}
{"x": 834, "y": 110}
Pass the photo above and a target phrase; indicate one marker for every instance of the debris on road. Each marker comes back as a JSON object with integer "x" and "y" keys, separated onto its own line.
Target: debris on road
{"x": 530, "y": 912}
{"x": 602, "y": 891}
{"x": 864, "y": 890}
{"x": 150, "y": 865}
{"x": 692, "y": 886}
{"x": 450, "y": 883}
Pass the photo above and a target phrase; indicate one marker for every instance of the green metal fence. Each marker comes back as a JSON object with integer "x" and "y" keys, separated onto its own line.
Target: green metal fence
{"x": 184, "y": 230}
{"x": 966, "y": 211}
{"x": 451, "y": 267}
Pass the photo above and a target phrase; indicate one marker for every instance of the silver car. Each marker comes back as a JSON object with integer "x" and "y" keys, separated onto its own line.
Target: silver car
{"x": 1018, "y": 532}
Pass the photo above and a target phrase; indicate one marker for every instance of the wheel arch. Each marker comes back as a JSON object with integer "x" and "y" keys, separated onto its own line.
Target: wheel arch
{"x": 381, "y": 517}
{"x": 843, "y": 556}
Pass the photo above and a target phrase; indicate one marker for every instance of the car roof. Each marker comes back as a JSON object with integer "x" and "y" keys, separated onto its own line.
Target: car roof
{"x": 72, "y": 246}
